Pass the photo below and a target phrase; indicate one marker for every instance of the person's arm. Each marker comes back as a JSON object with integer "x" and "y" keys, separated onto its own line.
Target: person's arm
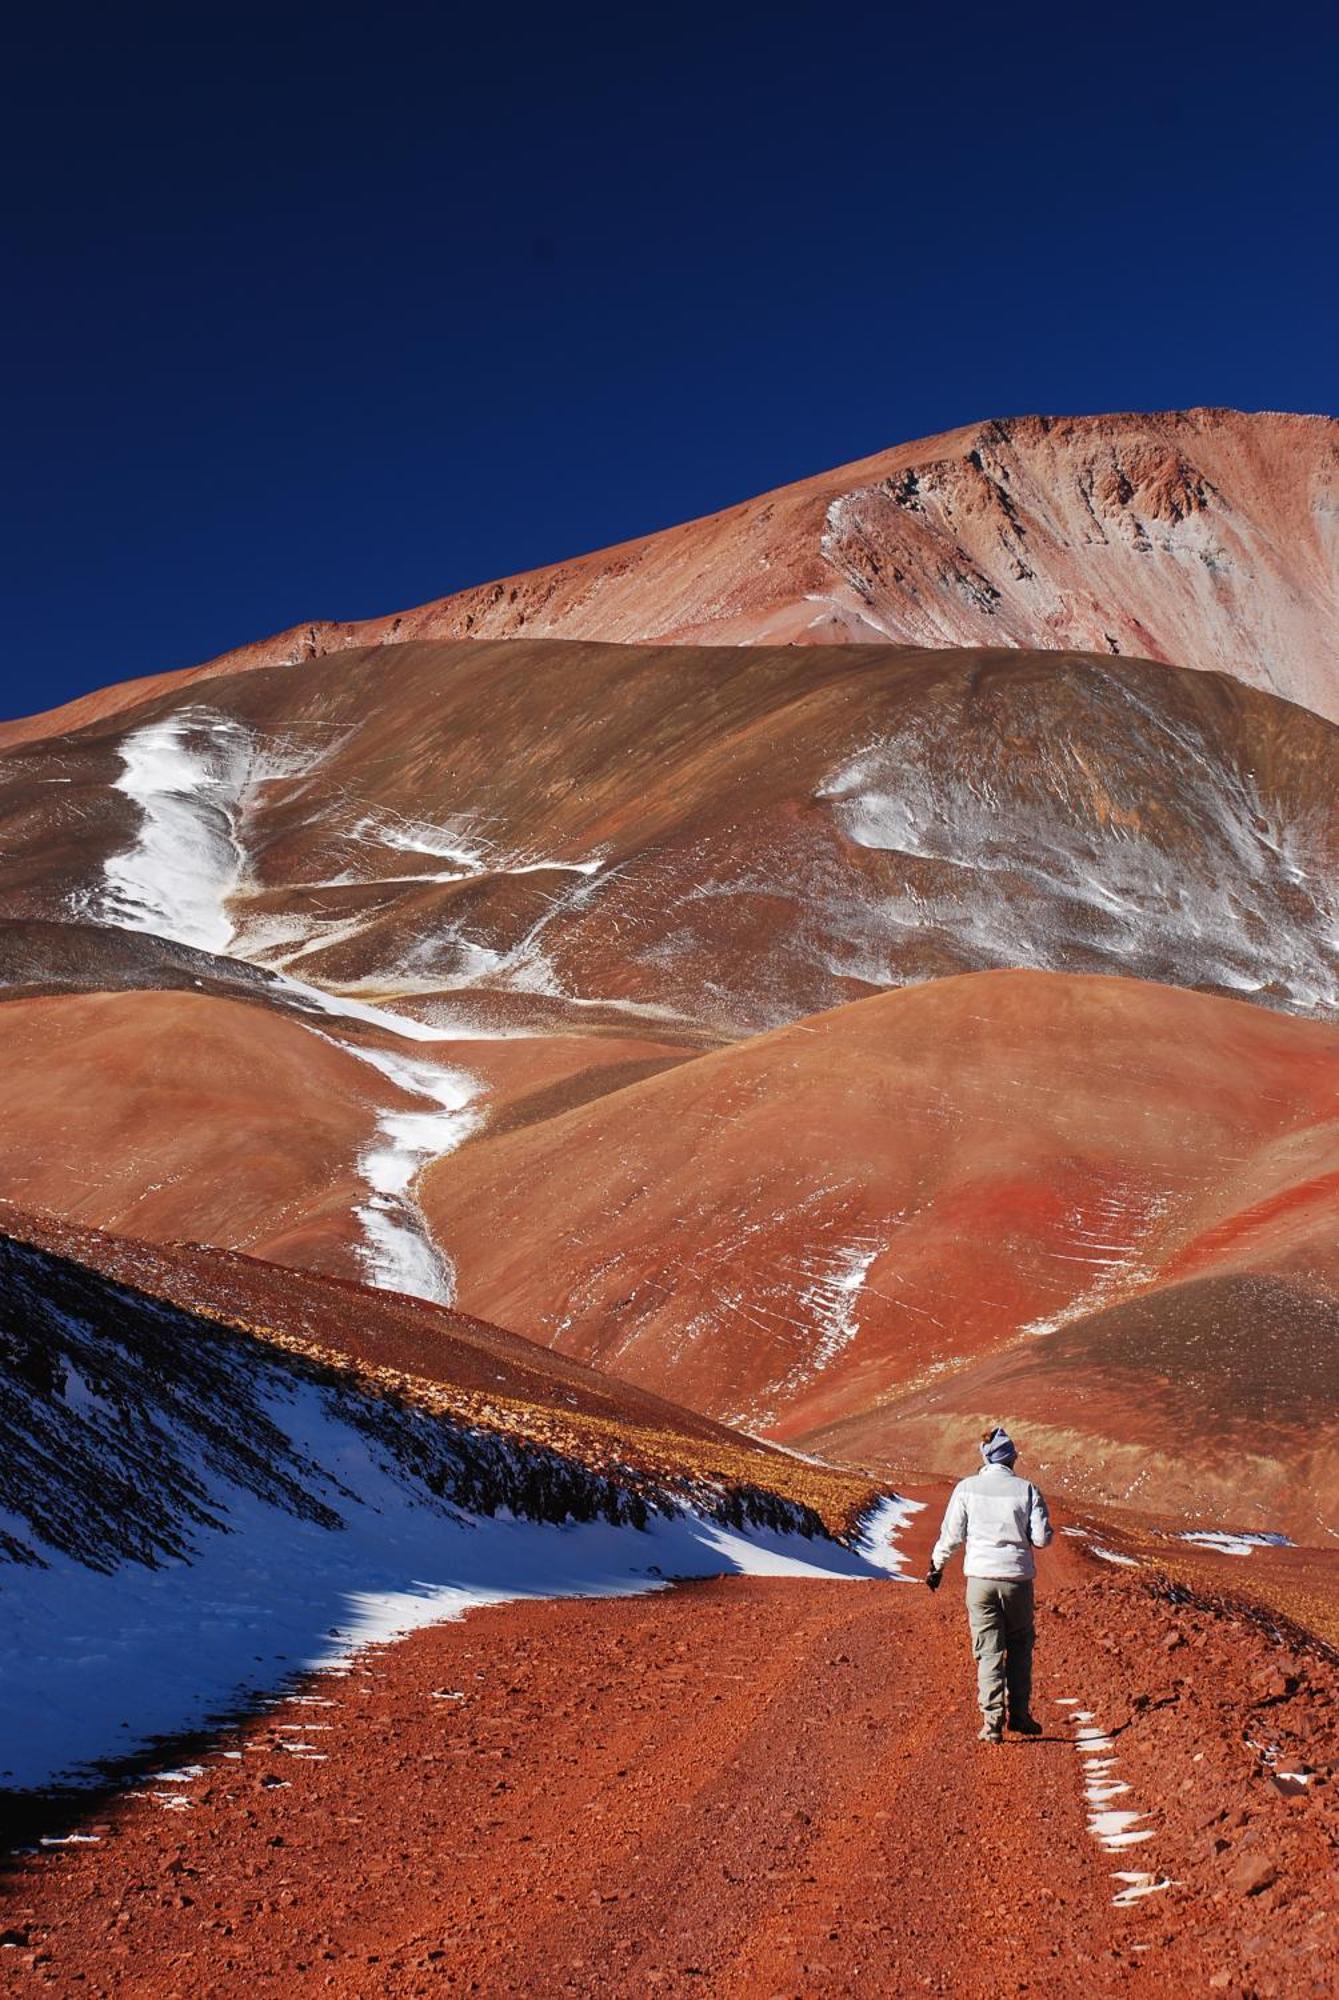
{"x": 953, "y": 1531}
{"x": 1039, "y": 1522}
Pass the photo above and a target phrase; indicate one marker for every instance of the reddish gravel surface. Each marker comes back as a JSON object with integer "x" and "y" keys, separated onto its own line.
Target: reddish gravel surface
{"x": 739, "y": 1788}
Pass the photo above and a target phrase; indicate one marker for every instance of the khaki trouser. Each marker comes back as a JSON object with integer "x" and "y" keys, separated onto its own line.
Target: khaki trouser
{"x": 999, "y": 1611}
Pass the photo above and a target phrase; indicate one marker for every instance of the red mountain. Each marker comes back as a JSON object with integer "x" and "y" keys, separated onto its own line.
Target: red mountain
{"x": 617, "y": 988}
{"x": 1201, "y": 537}
{"x": 868, "y": 1231}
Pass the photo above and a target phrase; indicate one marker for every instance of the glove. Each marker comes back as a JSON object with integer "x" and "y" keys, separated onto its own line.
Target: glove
{"x": 934, "y": 1579}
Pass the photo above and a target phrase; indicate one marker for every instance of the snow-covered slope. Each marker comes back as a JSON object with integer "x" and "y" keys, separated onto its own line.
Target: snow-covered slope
{"x": 191, "y": 1513}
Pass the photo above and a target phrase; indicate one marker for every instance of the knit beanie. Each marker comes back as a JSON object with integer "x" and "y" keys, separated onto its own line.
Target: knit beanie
{"x": 998, "y": 1448}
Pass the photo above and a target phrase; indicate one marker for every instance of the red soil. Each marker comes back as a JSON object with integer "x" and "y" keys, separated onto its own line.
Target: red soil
{"x": 170, "y": 1115}
{"x": 189, "y": 1115}
{"x": 744, "y": 1788}
{"x": 1005, "y": 1149}
{"x": 1266, "y": 1226}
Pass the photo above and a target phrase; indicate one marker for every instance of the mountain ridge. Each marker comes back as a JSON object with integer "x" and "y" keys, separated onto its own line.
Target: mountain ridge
{"x": 962, "y": 575}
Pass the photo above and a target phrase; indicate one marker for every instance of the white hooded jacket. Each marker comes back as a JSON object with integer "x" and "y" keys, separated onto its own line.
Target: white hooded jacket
{"x": 1002, "y": 1518}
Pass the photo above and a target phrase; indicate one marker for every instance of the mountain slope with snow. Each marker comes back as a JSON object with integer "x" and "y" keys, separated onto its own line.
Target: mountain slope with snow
{"x": 269, "y": 963}
{"x": 681, "y": 841}
{"x": 212, "y": 1507}
{"x": 615, "y": 989}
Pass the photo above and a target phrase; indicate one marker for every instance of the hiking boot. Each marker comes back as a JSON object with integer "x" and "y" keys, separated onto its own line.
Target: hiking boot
{"x": 1025, "y": 1725}
{"x": 990, "y": 1732}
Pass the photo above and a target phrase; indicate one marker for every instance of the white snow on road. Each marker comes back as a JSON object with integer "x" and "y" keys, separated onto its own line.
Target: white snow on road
{"x": 1118, "y": 1829}
{"x": 93, "y": 1664}
{"x": 1137, "y": 1886}
{"x": 1112, "y": 1827}
{"x": 877, "y": 1537}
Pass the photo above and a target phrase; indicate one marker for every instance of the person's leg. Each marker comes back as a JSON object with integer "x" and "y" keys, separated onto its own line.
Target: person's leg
{"x": 1017, "y": 1610}
{"x": 985, "y": 1617}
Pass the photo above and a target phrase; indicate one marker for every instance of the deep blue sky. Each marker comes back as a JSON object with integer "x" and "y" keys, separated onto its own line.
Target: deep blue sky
{"x": 322, "y": 311}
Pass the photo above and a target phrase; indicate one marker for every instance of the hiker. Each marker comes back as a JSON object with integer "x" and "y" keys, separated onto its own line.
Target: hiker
{"x": 1002, "y": 1518}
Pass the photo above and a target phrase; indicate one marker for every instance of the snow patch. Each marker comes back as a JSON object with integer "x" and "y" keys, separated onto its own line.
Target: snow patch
{"x": 458, "y": 841}
{"x": 877, "y": 1536}
{"x": 186, "y": 773}
{"x": 1112, "y": 1827}
{"x": 1230, "y": 1543}
{"x": 836, "y": 1282}
{"x": 1118, "y": 1829}
{"x": 1137, "y": 1885}
{"x": 1043, "y": 869}
{"x": 399, "y": 1253}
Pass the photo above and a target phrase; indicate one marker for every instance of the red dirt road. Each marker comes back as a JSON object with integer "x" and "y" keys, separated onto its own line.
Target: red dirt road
{"x": 740, "y": 1788}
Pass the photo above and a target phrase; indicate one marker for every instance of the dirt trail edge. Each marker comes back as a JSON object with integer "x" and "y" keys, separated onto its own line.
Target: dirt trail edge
{"x": 736, "y": 1788}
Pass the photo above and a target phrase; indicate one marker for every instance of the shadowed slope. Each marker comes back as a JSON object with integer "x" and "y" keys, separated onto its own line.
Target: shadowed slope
{"x": 484, "y": 1373}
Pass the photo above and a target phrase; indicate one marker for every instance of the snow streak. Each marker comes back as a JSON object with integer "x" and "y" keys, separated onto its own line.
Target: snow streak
{"x": 186, "y": 773}
{"x": 833, "y": 1295}
{"x": 190, "y": 775}
{"x": 399, "y": 1253}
